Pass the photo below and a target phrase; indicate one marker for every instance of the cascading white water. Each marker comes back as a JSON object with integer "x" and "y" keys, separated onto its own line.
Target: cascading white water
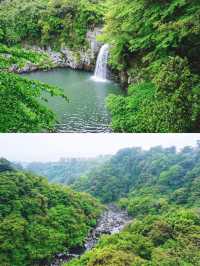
{"x": 100, "y": 73}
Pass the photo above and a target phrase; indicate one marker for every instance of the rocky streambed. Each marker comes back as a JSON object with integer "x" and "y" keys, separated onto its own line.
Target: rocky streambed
{"x": 112, "y": 221}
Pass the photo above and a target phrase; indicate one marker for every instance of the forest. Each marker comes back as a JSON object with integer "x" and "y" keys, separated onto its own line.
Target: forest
{"x": 39, "y": 220}
{"x": 154, "y": 54}
{"x": 159, "y": 188}
{"x": 65, "y": 171}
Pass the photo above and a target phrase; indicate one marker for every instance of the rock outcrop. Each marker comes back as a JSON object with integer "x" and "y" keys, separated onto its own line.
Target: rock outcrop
{"x": 81, "y": 59}
{"x": 84, "y": 58}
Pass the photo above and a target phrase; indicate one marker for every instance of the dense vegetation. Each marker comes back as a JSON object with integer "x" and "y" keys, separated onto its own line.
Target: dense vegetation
{"x": 65, "y": 171}
{"x": 156, "y": 44}
{"x": 160, "y": 188}
{"x": 21, "y": 107}
{"x": 21, "y": 110}
{"x": 43, "y": 23}
{"x": 49, "y": 22}
{"x": 165, "y": 239}
{"x": 14, "y": 58}
{"x": 158, "y": 170}
{"x": 39, "y": 220}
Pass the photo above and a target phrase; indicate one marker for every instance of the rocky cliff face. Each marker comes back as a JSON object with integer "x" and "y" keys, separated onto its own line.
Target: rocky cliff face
{"x": 84, "y": 59}
{"x": 81, "y": 59}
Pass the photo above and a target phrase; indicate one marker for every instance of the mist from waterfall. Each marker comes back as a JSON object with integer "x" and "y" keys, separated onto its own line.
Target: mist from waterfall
{"x": 100, "y": 73}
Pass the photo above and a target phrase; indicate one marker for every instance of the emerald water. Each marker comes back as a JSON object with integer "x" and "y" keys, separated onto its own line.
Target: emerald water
{"x": 86, "y": 110}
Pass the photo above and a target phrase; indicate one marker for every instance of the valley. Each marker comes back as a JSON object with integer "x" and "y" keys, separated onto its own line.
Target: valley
{"x": 132, "y": 208}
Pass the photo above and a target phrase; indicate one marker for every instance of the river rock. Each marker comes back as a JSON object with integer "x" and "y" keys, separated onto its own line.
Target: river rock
{"x": 112, "y": 221}
{"x": 29, "y": 67}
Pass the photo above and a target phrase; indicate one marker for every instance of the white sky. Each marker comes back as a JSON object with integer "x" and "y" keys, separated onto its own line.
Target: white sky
{"x": 50, "y": 147}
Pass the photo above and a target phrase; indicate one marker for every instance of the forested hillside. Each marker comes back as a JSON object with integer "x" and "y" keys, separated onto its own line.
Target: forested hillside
{"x": 160, "y": 189}
{"x": 154, "y": 171}
{"x": 154, "y": 52}
{"x": 156, "y": 45}
{"x": 166, "y": 239}
{"x": 65, "y": 171}
{"x": 39, "y": 220}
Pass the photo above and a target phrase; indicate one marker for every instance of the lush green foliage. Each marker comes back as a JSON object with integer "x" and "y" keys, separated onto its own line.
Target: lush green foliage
{"x": 44, "y": 22}
{"x": 160, "y": 171}
{"x": 69, "y": 21}
{"x": 65, "y": 171}
{"x": 155, "y": 42}
{"x": 38, "y": 220}
{"x": 160, "y": 188}
{"x": 162, "y": 240}
{"x": 21, "y": 110}
{"x": 170, "y": 104}
{"x": 17, "y": 58}
{"x": 161, "y": 191}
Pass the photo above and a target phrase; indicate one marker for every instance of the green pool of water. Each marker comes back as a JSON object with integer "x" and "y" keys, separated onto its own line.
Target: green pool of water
{"x": 86, "y": 110}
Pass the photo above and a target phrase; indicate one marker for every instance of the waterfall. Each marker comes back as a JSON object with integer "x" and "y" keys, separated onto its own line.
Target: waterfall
{"x": 100, "y": 73}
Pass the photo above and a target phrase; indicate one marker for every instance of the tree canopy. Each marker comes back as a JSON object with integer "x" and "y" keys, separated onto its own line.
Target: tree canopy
{"x": 160, "y": 189}
{"x": 156, "y": 44}
{"x": 39, "y": 220}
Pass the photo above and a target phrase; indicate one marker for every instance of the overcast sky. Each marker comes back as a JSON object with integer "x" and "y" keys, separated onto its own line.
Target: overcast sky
{"x": 50, "y": 147}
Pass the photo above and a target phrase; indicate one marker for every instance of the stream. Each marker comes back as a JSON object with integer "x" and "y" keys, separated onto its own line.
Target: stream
{"x": 112, "y": 221}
